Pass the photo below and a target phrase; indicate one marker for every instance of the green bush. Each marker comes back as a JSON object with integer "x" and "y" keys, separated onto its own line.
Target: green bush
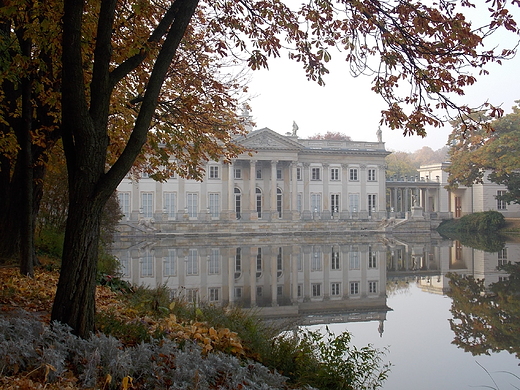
{"x": 488, "y": 221}
{"x": 50, "y": 242}
{"x": 327, "y": 361}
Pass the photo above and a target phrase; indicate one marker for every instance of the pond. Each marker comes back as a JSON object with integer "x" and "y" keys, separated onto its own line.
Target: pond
{"x": 388, "y": 291}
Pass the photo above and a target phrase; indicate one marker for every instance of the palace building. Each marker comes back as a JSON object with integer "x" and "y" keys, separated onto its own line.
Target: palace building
{"x": 285, "y": 179}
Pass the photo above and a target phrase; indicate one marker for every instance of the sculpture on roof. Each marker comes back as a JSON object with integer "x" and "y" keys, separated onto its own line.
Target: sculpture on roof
{"x": 294, "y": 128}
{"x": 379, "y": 134}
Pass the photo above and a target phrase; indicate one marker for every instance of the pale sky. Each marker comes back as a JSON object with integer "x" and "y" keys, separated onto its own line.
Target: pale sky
{"x": 282, "y": 95}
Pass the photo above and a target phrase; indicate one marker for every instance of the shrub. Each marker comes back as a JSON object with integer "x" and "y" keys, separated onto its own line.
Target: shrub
{"x": 488, "y": 221}
{"x": 327, "y": 361}
{"x": 50, "y": 242}
{"x": 102, "y": 361}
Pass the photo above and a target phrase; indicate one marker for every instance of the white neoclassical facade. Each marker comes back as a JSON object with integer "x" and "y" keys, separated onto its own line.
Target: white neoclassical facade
{"x": 284, "y": 178}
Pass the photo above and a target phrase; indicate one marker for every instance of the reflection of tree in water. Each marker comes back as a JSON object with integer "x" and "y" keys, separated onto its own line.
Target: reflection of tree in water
{"x": 486, "y": 320}
{"x": 399, "y": 286}
{"x": 485, "y": 242}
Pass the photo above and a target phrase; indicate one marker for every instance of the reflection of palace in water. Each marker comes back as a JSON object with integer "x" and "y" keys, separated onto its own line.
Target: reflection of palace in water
{"x": 321, "y": 279}
{"x": 310, "y": 278}
{"x": 428, "y": 263}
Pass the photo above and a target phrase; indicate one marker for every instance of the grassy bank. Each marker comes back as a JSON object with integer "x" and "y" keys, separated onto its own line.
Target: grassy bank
{"x": 179, "y": 339}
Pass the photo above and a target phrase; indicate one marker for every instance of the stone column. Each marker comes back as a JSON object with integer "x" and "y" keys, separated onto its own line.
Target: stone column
{"x": 381, "y": 179}
{"x": 231, "y": 192}
{"x": 363, "y": 201}
{"x": 295, "y": 251}
{"x": 306, "y": 195}
{"x": 252, "y": 190}
{"x": 326, "y": 195}
{"x": 231, "y": 274}
{"x": 294, "y": 191}
{"x": 252, "y": 272}
{"x": 344, "y": 191}
{"x": 273, "y": 254}
{"x": 272, "y": 187}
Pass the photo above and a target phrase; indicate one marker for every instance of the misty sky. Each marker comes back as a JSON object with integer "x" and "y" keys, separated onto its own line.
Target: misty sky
{"x": 282, "y": 95}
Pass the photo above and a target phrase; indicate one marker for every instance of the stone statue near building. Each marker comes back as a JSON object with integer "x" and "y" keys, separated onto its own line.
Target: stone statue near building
{"x": 294, "y": 128}
{"x": 379, "y": 134}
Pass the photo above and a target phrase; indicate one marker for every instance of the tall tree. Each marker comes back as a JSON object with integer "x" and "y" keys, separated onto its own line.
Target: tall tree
{"x": 482, "y": 154}
{"x": 29, "y": 102}
{"x": 430, "y": 47}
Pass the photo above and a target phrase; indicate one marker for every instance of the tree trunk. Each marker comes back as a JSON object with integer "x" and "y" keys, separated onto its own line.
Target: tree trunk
{"x": 27, "y": 252}
{"x": 74, "y": 303}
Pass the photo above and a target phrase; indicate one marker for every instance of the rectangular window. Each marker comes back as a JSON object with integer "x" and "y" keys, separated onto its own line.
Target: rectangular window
{"x": 316, "y": 203}
{"x": 147, "y": 204}
{"x": 300, "y": 291}
{"x": 353, "y": 202}
{"x": 372, "y": 287}
{"x": 316, "y": 289}
{"x": 334, "y": 259}
{"x": 299, "y": 262}
{"x": 502, "y": 257}
{"x": 213, "y": 172}
{"x": 501, "y": 204}
{"x": 258, "y": 262}
{"x": 354, "y": 259}
{"x": 334, "y": 203}
{"x": 371, "y": 203}
{"x": 147, "y": 265}
{"x": 298, "y": 173}
{"x": 213, "y": 294}
{"x": 315, "y": 173}
{"x": 238, "y": 173}
{"x": 192, "y": 204}
{"x": 214, "y": 262}
{"x": 316, "y": 260}
{"x": 279, "y": 174}
{"x": 334, "y": 174}
{"x": 124, "y": 264}
{"x": 279, "y": 261}
{"x": 354, "y": 288}
{"x": 169, "y": 204}
{"x": 372, "y": 175}
{"x": 238, "y": 260}
{"x": 124, "y": 203}
{"x": 192, "y": 262}
{"x": 279, "y": 290}
{"x": 259, "y": 173}
{"x": 259, "y": 292}
{"x": 238, "y": 292}
{"x": 335, "y": 289}
{"x": 192, "y": 295}
{"x": 170, "y": 263}
{"x": 214, "y": 205}
{"x": 372, "y": 258}
{"x": 353, "y": 174}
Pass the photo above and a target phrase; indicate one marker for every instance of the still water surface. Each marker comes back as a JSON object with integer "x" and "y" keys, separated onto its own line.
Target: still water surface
{"x": 387, "y": 291}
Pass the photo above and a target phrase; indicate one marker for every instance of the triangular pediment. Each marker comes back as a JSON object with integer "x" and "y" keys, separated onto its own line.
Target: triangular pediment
{"x": 268, "y": 139}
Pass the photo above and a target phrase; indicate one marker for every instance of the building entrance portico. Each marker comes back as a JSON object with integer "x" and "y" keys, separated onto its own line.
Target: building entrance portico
{"x": 282, "y": 178}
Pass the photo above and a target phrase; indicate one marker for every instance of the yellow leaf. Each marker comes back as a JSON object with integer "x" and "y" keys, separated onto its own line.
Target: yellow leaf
{"x": 126, "y": 383}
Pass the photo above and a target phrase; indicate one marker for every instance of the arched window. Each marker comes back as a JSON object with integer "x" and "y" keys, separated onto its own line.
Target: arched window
{"x": 279, "y": 201}
{"x": 259, "y": 202}
{"x": 238, "y": 202}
